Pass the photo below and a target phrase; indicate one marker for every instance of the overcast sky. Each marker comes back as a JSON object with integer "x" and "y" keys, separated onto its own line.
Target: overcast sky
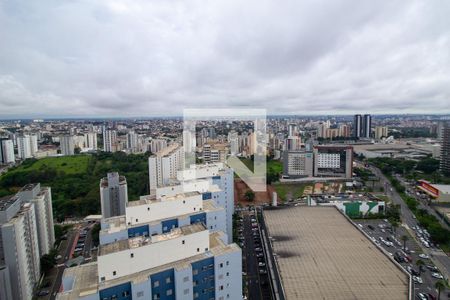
{"x": 146, "y": 58}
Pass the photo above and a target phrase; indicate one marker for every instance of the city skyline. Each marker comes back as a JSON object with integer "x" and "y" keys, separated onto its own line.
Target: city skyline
{"x": 146, "y": 59}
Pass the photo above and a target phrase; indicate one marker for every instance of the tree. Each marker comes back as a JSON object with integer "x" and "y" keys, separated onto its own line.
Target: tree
{"x": 249, "y": 195}
{"x": 404, "y": 238}
{"x": 420, "y": 263}
{"x": 394, "y": 224}
{"x": 439, "y": 285}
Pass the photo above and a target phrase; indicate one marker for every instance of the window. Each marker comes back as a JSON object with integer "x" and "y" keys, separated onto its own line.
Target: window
{"x": 184, "y": 202}
{"x": 186, "y": 279}
{"x": 132, "y": 255}
{"x": 169, "y": 292}
{"x": 137, "y": 220}
{"x": 140, "y": 294}
{"x": 125, "y": 294}
{"x": 220, "y": 276}
{"x": 206, "y": 249}
{"x": 221, "y": 265}
{"x": 114, "y": 273}
{"x": 221, "y": 287}
{"x": 228, "y": 263}
{"x": 156, "y": 296}
{"x": 194, "y": 272}
{"x": 195, "y": 295}
{"x": 102, "y": 278}
{"x": 186, "y": 291}
{"x": 148, "y": 208}
{"x": 168, "y": 280}
{"x": 156, "y": 283}
{"x": 228, "y": 273}
{"x": 182, "y": 242}
{"x": 198, "y": 249}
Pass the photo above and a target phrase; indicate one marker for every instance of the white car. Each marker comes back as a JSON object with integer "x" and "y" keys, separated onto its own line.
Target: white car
{"x": 424, "y": 256}
{"x": 437, "y": 275}
{"x": 417, "y": 279}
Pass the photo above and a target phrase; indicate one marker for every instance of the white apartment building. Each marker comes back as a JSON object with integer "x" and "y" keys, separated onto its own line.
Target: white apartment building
{"x": 67, "y": 144}
{"x": 109, "y": 140}
{"x": 157, "y": 145}
{"x": 91, "y": 140}
{"x": 166, "y": 246}
{"x": 164, "y": 165}
{"x": 113, "y": 195}
{"x": 33, "y": 144}
{"x": 24, "y": 147}
{"x": 132, "y": 141}
{"x": 7, "y": 152}
{"x": 41, "y": 198}
{"x": 19, "y": 252}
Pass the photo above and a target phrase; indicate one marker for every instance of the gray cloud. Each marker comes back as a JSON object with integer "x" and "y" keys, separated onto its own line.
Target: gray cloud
{"x": 144, "y": 58}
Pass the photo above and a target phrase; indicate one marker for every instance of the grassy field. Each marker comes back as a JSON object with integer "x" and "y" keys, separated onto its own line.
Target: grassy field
{"x": 289, "y": 191}
{"x": 68, "y": 164}
{"x": 271, "y": 165}
{"x": 74, "y": 179}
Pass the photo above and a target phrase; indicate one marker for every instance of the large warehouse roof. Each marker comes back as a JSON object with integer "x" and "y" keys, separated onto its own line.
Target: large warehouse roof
{"x": 321, "y": 255}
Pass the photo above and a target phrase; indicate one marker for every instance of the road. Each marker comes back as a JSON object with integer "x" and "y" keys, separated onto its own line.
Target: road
{"x": 257, "y": 283}
{"x": 440, "y": 259}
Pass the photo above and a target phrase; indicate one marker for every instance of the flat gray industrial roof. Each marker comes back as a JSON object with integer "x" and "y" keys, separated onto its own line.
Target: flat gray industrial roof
{"x": 321, "y": 255}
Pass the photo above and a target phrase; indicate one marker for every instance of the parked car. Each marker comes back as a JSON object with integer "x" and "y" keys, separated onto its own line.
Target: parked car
{"x": 437, "y": 275}
{"x": 424, "y": 256}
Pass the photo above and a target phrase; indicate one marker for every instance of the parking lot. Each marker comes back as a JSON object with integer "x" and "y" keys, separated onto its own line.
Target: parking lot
{"x": 414, "y": 258}
{"x": 254, "y": 262}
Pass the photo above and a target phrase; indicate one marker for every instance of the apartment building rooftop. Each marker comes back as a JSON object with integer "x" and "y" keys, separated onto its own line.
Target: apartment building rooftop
{"x": 85, "y": 277}
{"x": 140, "y": 241}
{"x": 7, "y": 201}
{"x": 153, "y": 199}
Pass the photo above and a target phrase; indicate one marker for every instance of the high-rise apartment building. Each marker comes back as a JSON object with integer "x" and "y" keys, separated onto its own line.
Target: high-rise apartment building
{"x": 357, "y": 126}
{"x": 109, "y": 140}
{"x": 157, "y": 145}
{"x": 41, "y": 198}
{"x": 367, "y": 126}
{"x": 169, "y": 245}
{"x": 132, "y": 141}
{"x": 24, "y": 147}
{"x": 91, "y": 140}
{"x": 26, "y": 233}
{"x": 67, "y": 144}
{"x": 445, "y": 149}
{"x": 33, "y": 144}
{"x": 113, "y": 195}
{"x": 164, "y": 165}
{"x": 7, "y": 152}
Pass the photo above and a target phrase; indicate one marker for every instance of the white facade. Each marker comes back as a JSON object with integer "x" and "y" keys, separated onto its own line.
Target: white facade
{"x": 328, "y": 160}
{"x": 23, "y": 147}
{"x": 42, "y": 203}
{"x": 132, "y": 141}
{"x": 7, "y": 152}
{"x": 21, "y": 252}
{"x": 157, "y": 145}
{"x": 113, "y": 195}
{"x": 109, "y": 140}
{"x": 91, "y": 140}
{"x": 165, "y": 248}
{"x": 146, "y": 211}
{"x": 164, "y": 166}
{"x": 67, "y": 144}
{"x": 33, "y": 144}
